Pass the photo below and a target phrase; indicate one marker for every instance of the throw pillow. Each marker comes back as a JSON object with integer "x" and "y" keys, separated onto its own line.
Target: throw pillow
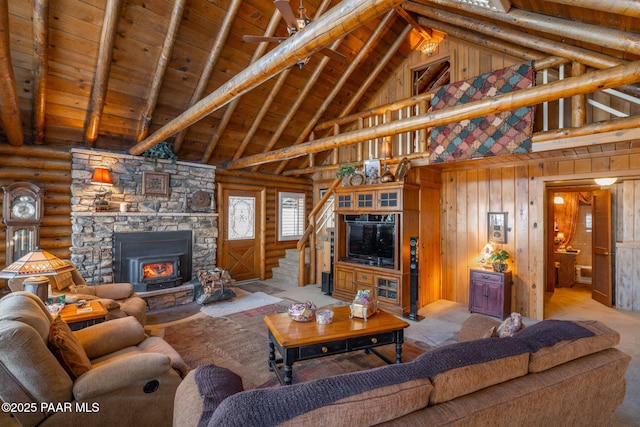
{"x": 508, "y": 328}
{"x": 66, "y": 348}
{"x": 215, "y": 384}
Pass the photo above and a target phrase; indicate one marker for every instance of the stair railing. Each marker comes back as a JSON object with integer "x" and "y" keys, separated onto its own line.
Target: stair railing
{"x": 309, "y": 236}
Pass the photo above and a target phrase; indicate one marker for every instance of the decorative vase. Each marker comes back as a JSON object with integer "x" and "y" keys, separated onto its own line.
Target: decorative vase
{"x": 500, "y": 267}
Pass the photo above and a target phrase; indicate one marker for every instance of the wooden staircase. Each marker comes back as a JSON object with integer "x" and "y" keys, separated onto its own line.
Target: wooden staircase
{"x": 288, "y": 267}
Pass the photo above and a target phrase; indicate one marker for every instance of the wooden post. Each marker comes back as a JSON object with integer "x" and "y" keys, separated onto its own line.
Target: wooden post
{"x": 578, "y": 102}
{"x": 105, "y": 53}
{"x": 161, "y": 67}
{"x": 40, "y": 66}
{"x": 9, "y": 104}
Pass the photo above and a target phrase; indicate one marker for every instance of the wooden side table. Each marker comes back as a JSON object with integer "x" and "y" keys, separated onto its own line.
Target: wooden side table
{"x": 93, "y": 312}
{"x": 490, "y": 293}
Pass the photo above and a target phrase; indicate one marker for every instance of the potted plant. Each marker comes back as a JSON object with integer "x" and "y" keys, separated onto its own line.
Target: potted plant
{"x": 345, "y": 172}
{"x": 161, "y": 150}
{"x": 498, "y": 258}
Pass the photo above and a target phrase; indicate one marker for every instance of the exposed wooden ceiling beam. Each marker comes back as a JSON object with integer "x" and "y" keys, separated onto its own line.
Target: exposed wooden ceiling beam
{"x": 426, "y": 33}
{"x": 349, "y": 15}
{"x": 593, "y": 34}
{"x": 228, "y": 114}
{"x": 299, "y": 101}
{"x": 621, "y": 7}
{"x": 365, "y": 85}
{"x": 99, "y": 89}
{"x": 587, "y": 57}
{"x": 276, "y": 89}
{"x": 40, "y": 66}
{"x": 161, "y": 68}
{"x": 359, "y": 58}
{"x": 587, "y": 83}
{"x": 9, "y": 104}
{"x": 212, "y": 60}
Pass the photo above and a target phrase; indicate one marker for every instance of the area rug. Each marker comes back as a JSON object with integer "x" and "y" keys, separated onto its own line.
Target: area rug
{"x": 243, "y": 301}
{"x": 503, "y": 133}
{"x": 239, "y": 342}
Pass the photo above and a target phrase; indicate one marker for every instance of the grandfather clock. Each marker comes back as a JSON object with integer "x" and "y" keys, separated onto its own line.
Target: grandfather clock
{"x": 22, "y": 214}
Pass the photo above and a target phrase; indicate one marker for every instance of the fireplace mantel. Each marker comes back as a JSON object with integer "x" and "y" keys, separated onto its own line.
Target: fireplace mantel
{"x": 153, "y": 214}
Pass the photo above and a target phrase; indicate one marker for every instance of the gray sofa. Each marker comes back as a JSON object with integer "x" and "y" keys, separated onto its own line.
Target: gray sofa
{"x": 551, "y": 373}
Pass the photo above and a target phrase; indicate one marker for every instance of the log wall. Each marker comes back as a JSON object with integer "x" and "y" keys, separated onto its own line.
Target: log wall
{"x": 50, "y": 169}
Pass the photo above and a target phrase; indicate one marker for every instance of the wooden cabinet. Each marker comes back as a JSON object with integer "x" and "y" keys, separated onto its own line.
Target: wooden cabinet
{"x": 566, "y": 268}
{"x": 393, "y": 201}
{"x": 490, "y": 293}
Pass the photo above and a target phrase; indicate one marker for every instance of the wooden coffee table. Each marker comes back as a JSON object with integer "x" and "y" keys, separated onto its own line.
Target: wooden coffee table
{"x": 309, "y": 340}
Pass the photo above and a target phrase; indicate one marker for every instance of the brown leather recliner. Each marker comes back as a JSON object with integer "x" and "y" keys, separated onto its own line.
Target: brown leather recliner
{"x": 129, "y": 378}
{"x": 118, "y": 298}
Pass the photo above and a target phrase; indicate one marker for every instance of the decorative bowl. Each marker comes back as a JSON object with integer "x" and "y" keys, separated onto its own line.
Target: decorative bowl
{"x": 302, "y": 312}
{"x": 324, "y": 317}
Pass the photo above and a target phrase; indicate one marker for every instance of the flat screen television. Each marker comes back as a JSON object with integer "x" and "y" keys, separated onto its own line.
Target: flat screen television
{"x": 372, "y": 241}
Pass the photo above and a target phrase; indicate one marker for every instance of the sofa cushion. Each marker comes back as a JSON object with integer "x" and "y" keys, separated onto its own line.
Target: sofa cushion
{"x": 355, "y": 399}
{"x": 476, "y": 326}
{"x": 554, "y": 342}
{"x": 463, "y": 368}
{"x": 215, "y": 384}
{"x": 66, "y": 348}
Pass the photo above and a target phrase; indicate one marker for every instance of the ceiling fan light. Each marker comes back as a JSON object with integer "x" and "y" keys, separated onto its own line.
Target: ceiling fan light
{"x": 606, "y": 181}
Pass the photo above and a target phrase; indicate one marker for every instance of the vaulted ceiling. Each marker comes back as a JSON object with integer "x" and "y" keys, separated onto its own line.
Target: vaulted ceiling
{"x": 122, "y": 75}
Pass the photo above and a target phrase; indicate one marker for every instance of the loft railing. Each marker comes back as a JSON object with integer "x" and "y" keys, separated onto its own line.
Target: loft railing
{"x": 319, "y": 217}
{"x": 608, "y": 108}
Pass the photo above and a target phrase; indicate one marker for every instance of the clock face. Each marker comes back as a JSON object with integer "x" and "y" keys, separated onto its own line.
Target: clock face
{"x": 24, "y": 207}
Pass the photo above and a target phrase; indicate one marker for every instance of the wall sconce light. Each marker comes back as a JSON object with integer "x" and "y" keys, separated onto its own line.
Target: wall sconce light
{"x": 606, "y": 181}
{"x": 558, "y": 200}
{"x": 429, "y": 48}
{"x": 102, "y": 177}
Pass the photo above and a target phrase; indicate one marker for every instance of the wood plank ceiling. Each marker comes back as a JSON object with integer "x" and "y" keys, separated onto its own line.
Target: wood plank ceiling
{"x": 114, "y": 74}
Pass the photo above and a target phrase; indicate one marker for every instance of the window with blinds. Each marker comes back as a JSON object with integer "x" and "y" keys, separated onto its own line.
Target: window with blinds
{"x": 292, "y": 213}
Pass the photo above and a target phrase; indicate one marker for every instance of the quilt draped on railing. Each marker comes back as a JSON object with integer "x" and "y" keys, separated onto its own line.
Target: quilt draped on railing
{"x": 493, "y": 135}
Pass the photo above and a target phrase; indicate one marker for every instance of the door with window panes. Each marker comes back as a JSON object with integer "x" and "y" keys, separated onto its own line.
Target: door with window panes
{"x": 240, "y": 251}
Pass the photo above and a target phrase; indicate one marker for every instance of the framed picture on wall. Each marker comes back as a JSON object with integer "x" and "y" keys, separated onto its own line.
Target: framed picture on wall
{"x": 372, "y": 170}
{"x": 155, "y": 183}
{"x": 497, "y": 227}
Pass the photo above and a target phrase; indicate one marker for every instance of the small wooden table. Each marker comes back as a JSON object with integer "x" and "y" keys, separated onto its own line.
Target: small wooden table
{"x": 309, "y": 340}
{"x": 77, "y": 318}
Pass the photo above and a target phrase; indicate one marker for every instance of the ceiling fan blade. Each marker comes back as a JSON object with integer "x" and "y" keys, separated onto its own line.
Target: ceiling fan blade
{"x": 332, "y": 54}
{"x": 287, "y": 13}
{"x": 259, "y": 39}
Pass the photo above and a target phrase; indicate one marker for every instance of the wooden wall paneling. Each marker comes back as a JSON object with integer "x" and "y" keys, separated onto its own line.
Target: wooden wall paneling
{"x": 449, "y": 237}
{"x": 462, "y": 244}
{"x": 537, "y": 261}
{"x": 476, "y": 237}
{"x": 509, "y": 206}
{"x": 520, "y": 254}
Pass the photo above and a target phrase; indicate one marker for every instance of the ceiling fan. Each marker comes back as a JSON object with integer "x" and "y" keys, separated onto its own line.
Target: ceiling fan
{"x": 293, "y": 26}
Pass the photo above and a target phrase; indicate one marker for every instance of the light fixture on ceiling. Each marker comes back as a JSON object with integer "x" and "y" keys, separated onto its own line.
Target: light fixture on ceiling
{"x": 606, "y": 181}
{"x": 429, "y": 48}
{"x": 558, "y": 200}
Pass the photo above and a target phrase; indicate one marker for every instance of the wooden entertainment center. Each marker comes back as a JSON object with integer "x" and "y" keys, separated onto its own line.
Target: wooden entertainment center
{"x": 395, "y": 206}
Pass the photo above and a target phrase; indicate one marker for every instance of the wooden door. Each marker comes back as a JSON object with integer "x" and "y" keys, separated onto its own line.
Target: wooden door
{"x": 602, "y": 253}
{"x": 241, "y": 233}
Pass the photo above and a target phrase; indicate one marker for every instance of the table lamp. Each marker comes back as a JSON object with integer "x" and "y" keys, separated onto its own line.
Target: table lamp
{"x": 34, "y": 266}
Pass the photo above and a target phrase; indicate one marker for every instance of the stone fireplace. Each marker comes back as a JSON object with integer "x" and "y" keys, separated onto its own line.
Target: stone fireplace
{"x": 152, "y": 260}
{"x": 96, "y": 246}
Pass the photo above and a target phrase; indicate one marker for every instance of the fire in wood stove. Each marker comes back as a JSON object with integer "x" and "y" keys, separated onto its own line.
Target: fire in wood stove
{"x": 158, "y": 269}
